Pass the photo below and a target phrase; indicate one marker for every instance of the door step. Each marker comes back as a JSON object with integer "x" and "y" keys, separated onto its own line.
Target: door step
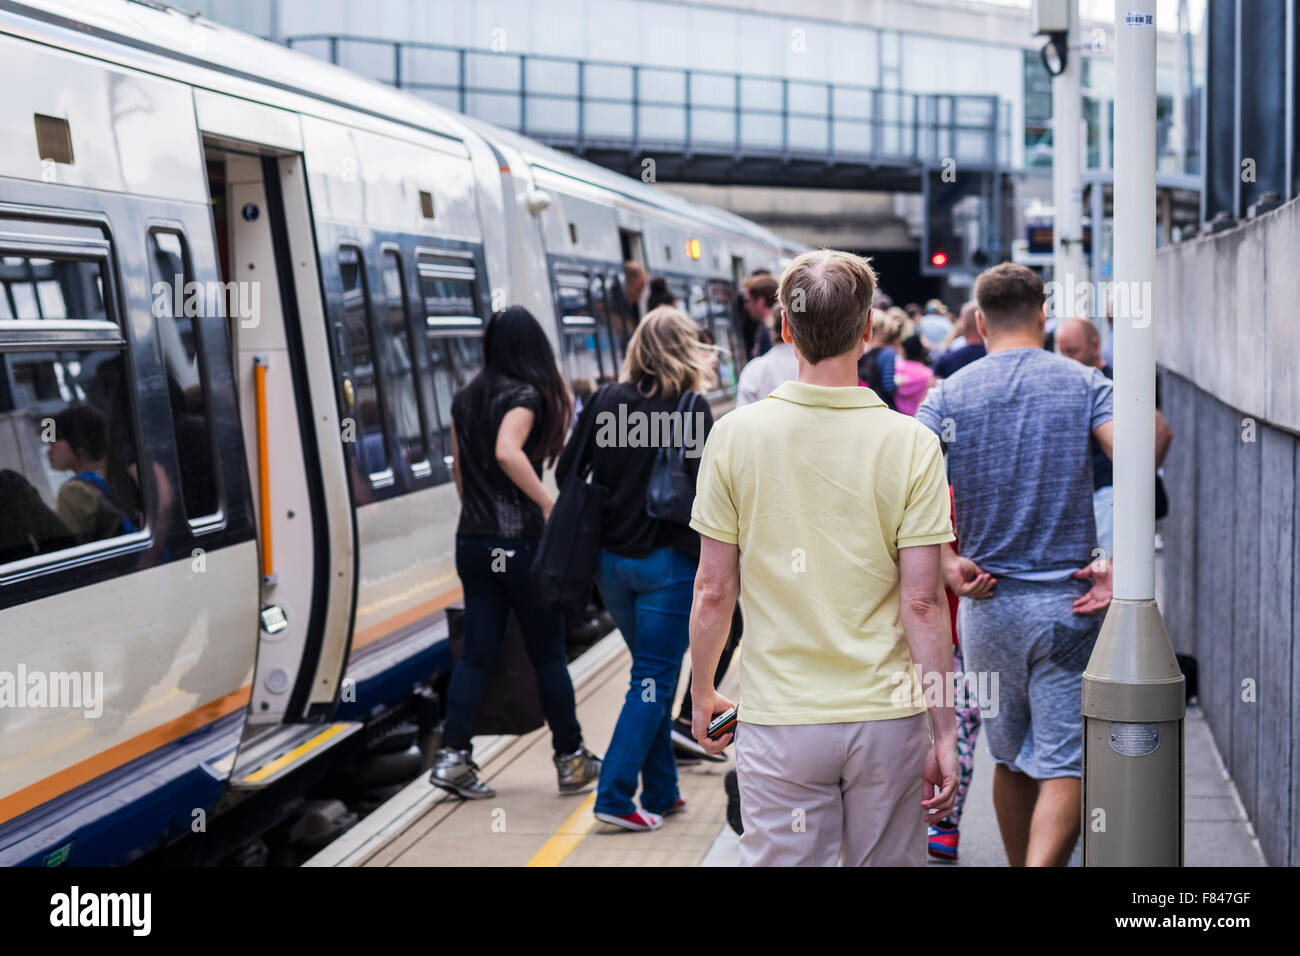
{"x": 280, "y": 750}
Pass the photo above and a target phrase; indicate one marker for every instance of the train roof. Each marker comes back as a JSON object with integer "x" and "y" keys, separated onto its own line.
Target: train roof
{"x": 546, "y": 157}
{"x": 147, "y": 34}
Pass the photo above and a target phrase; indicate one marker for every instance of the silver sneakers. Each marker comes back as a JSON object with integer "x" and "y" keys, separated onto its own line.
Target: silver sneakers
{"x": 577, "y": 770}
{"x": 453, "y": 771}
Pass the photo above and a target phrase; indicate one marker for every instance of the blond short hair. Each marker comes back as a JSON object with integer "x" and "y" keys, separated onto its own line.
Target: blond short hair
{"x": 827, "y": 298}
{"x": 665, "y": 356}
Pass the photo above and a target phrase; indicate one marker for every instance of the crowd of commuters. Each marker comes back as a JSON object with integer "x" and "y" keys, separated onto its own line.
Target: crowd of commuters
{"x": 899, "y": 492}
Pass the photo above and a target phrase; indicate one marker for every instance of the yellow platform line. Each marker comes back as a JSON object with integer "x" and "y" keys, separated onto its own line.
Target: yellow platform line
{"x": 566, "y": 839}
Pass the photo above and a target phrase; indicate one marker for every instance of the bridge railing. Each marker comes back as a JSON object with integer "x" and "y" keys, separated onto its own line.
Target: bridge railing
{"x": 584, "y": 104}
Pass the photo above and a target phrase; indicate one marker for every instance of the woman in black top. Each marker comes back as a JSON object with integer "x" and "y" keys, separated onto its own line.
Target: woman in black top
{"x": 646, "y": 569}
{"x": 509, "y": 419}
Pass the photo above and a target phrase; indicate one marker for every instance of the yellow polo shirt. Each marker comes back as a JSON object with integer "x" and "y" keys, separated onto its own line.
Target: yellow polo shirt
{"x": 819, "y": 487}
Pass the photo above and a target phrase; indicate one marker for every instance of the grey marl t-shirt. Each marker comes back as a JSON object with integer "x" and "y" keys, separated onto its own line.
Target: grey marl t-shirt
{"x": 1016, "y": 426}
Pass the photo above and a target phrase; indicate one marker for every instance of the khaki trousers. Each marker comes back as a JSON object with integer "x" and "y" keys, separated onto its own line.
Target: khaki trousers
{"x": 822, "y": 794}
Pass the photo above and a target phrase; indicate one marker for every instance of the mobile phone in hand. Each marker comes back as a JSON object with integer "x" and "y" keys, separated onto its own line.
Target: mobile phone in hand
{"x": 723, "y": 723}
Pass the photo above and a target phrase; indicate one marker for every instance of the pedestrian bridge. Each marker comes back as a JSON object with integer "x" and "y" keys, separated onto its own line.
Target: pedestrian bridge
{"x": 696, "y": 125}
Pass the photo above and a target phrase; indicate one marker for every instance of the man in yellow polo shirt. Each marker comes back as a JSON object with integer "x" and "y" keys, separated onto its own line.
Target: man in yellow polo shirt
{"x": 828, "y": 509}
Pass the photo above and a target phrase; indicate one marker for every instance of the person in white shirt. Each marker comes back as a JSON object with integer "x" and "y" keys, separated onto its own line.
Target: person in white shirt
{"x": 762, "y": 375}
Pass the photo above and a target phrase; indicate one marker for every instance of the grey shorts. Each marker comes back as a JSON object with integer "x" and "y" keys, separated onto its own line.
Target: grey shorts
{"x": 1027, "y": 638}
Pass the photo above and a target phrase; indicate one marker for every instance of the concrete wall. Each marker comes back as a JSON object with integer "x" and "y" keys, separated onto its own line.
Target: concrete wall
{"x": 1228, "y": 315}
{"x": 1228, "y": 345}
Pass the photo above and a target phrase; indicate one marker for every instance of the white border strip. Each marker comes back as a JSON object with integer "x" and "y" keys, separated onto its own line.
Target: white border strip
{"x": 419, "y": 796}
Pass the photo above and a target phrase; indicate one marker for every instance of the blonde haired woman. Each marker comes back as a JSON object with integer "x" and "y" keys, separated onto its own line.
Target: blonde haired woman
{"x": 876, "y": 367}
{"x": 646, "y": 569}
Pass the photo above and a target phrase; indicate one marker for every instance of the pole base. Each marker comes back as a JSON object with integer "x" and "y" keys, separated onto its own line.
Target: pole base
{"x": 1133, "y": 709}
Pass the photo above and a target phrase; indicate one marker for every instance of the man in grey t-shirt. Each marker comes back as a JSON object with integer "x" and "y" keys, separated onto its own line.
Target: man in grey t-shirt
{"x": 1016, "y": 427}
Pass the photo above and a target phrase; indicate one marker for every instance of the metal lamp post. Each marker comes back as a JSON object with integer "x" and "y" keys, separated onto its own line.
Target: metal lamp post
{"x": 1133, "y": 703}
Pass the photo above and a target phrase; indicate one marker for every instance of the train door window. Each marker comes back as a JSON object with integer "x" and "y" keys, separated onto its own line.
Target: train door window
{"x": 187, "y": 390}
{"x": 68, "y": 467}
{"x": 361, "y": 398}
{"x": 720, "y": 303}
{"x": 682, "y": 294}
{"x": 399, "y": 368}
{"x": 454, "y": 330}
{"x": 584, "y": 344}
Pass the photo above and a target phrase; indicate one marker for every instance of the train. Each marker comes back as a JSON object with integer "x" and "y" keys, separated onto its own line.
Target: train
{"x": 238, "y": 288}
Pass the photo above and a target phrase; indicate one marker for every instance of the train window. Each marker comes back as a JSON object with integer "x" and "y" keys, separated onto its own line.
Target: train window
{"x": 447, "y": 285}
{"x": 361, "y": 400}
{"x": 455, "y": 335}
{"x": 587, "y": 353}
{"x": 719, "y": 316}
{"x": 620, "y": 315}
{"x": 455, "y": 360}
{"x": 178, "y": 334}
{"x": 35, "y": 287}
{"x": 68, "y": 468}
{"x": 399, "y": 367}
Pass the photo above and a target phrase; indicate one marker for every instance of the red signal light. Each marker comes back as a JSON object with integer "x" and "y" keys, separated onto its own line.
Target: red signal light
{"x": 939, "y": 260}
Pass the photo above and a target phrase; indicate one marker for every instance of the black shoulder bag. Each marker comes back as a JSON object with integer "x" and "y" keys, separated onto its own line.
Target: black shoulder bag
{"x": 671, "y": 492}
{"x": 565, "y": 564}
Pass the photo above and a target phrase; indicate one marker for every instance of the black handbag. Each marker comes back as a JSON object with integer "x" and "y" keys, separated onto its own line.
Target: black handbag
{"x": 565, "y": 564}
{"x": 671, "y": 492}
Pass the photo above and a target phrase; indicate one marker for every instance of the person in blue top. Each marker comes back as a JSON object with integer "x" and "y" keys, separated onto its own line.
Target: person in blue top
{"x": 1017, "y": 427}
{"x": 86, "y": 503}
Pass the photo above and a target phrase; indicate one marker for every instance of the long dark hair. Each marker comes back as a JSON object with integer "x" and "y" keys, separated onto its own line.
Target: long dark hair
{"x": 515, "y": 346}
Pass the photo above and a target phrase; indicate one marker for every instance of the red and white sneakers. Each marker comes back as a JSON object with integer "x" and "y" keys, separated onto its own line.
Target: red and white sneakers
{"x": 636, "y": 820}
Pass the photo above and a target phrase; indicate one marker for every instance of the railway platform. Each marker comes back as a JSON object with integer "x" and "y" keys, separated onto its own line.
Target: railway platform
{"x": 529, "y": 824}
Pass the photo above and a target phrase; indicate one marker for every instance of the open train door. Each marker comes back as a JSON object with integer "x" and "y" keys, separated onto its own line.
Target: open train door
{"x": 266, "y": 246}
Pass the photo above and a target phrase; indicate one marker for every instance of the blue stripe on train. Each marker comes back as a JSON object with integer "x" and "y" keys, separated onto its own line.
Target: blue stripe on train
{"x": 380, "y": 691}
{"x": 119, "y": 816}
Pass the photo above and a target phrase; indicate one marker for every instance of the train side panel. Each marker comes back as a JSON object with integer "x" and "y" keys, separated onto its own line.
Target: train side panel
{"x": 152, "y": 596}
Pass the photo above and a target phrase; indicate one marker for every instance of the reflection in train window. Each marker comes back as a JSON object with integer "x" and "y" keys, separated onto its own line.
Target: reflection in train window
{"x": 361, "y": 387}
{"x": 454, "y": 330}
{"x": 721, "y": 321}
{"x": 621, "y": 315}
{"x": 186, "y": 388}
{"x": 455, "y": 359}
{"x": 444, "y": 296}
{"x": 68, "y": 472}
{"x": 399, "y": 367}
{"x": 585, "y": 338}
{"x": 35, "y": 287}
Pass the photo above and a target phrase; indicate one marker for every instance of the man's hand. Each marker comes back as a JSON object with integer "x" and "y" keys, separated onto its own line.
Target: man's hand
{"x": 965, "y": 578}
{"x": 1098, "y": 597}
{"x": 707, "y": 703}
{"x": 941, "y": 772}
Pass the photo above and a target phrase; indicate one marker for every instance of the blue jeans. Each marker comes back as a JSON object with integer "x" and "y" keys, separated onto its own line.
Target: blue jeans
{"x": 650, "y": 600}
